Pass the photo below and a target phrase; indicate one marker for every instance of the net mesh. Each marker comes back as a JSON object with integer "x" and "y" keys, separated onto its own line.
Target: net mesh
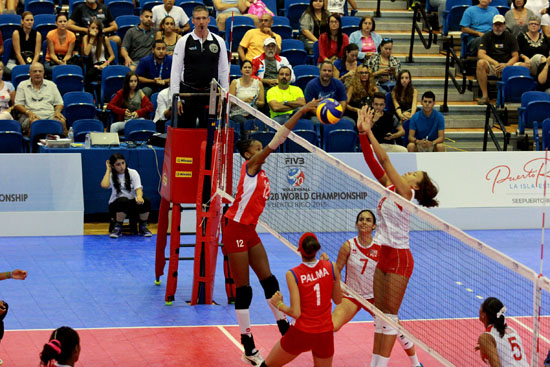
{"x": 453, "y": 272}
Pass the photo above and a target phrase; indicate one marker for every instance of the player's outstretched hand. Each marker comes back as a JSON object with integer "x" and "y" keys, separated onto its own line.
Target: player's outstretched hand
{"x": 277, "y": 297}
{"x": 19, "y": 274}
{"x": 311, "y": 105}
{"x": 324, "y": 256}
{"x": 364, "y": 122}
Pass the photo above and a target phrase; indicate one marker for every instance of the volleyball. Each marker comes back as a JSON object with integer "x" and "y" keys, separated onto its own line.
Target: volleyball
{"x": 329, "y": 111}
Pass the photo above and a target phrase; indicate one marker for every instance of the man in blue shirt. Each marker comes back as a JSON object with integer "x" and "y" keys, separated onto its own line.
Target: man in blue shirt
{"x": 427, "y": 127}
{"x": 153, "y": 71}
{"x": 325, "y": 86}
{"x": 476, "y": 21}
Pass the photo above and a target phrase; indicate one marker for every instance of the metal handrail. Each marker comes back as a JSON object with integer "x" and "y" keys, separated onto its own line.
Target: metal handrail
{"x": 419, "y": 13}
{"x": 450, "y": 60}
{"x": 492, "y": 111}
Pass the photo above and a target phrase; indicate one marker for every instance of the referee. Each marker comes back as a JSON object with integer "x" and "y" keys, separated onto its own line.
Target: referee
{"x": 198, "y": 57}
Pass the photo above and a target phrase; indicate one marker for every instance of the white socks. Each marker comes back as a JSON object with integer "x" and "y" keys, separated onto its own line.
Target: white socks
{"x": 243, "y": 318}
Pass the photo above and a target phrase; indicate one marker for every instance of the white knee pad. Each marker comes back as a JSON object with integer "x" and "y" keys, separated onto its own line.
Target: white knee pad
{"x": 405, "y": 342}
{"x": 378, "y": 325}
{"x": 388, "y": 329}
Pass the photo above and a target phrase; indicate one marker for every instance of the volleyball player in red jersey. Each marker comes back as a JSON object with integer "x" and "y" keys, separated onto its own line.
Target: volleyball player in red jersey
{"x": 312, "y": 286}
{"x": 396, "y": 263}
{"x": 242, "y": 244}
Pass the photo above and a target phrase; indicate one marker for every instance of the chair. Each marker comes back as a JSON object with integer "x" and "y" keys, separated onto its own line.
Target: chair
{"x": 120, "y": 7}
{"x": 281, "y": 26}
{"x": 154, "y": 98}
{"x": 125, "y": 22}
{"x": 341, "y": 140}
{"x": 501, "y": 5}
{"x": 114, "y": 46}
{"x": 264, "y": 137}
{"x": 294, "y": 11}
{"x": 234, "y": 72}
{"x": 8, "y": 24}
{"x": 43, "y": 23}
{"x": 112, "y": 78}
{"x": 545, "y": 143}
{"x": 453, "y": 14}
{"x": 19, "y": 73}
{"x": 11, "y": 142}
{"x": 10, "y": 125}
{"x": 305, "y": 73}
{"x": 73, "y": 4}
{"x": 340, "y": 125}
{"x": 139, "y": 129}
{"x": 40, "y": 6}
{"x": 272, "y": 5}
{"x": 309, "y": 135}
{"x": 516, "y": 80}
{"x": 315, "y": 52}
{"x": 294, "y": 51}
{"x": 82, "y": 127}
{"x": 212, "y": 26}
{"x": 78, "y": 105}
{"x": 41, "y": 128}
{"x": 69, "y": 78}
{"x": 389, "y": 104}
{"x": 149, "y": 4}
{"x": 350, "y": 24}
{"x": 535, "y": 112}
{"x": 527, "y": 98}
{"x": 8, "y": 48}
{"x": 241, "y": 25}
{"x": 188, "y": 5}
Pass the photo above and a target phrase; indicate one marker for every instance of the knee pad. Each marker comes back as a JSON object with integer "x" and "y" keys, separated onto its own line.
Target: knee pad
{"x": 388, "y": 329}
{"x": 270, "y": 286}
{"x": 378, "y": 325}
{"x": 405, "y": 342}
{"x": 243, "y": 297}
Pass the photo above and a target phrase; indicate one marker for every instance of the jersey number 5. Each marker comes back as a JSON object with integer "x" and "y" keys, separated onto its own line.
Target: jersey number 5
{"x": 317, "y": 289}
{"x": 516, "y": 349}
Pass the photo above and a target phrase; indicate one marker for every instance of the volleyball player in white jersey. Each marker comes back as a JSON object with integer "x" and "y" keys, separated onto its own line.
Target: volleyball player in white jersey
{"x": 396, "y": 263}
{"x": 242, "y": 244}
{"x": 360, "y": 256}
{"x": 500, "y": 345}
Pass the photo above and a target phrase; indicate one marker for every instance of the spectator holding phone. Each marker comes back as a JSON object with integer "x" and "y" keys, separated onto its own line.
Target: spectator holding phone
{"x": 15, "y": 274}
{"x": 384, "y": 66}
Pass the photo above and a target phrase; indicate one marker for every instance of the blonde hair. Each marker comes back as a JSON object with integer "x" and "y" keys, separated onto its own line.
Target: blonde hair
{"x": 359, "y": 91}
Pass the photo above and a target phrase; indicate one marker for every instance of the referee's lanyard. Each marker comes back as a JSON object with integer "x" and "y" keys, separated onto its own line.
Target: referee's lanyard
{"x": 160, "y": 71}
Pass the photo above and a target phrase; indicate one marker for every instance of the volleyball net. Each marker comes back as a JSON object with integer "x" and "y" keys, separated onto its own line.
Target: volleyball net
{"x": 453, "y": 272}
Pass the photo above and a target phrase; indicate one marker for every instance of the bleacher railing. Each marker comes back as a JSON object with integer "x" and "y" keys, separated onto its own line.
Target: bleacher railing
{"x": 452, "y": 61}
{"x": 420, "y": 18}
{"x": 377, "y": 13}
{"x": 491, "y": 111}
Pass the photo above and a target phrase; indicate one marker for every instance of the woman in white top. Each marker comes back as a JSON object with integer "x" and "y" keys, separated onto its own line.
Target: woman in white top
{"x": 337, "y": 6}
{"x": 7, "y": 96}
{"x": 500, "y": 345}
{"x": 249, "y": 90}
{"x": 126, "y": 195}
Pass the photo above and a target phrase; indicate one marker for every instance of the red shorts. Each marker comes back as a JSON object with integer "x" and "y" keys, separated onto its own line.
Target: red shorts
{"x": 396, "y": 261}
{"x": 239, "y": 237}
{"x": 296, "y": 342}
{"x": 358, "y": 304}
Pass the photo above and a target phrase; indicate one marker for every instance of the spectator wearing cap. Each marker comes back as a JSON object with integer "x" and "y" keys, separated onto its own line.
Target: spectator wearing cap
{"x": 253, "y": 40}
{"x": 266, "y": 66}
{"x": 284, "y": 99}
{"x": 498, "y": 49}
{"x": 476, "y": 21}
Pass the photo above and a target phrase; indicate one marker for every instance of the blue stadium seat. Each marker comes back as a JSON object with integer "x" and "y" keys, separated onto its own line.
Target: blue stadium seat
{"x": 77, "y": 106}
{"x": 81, "y": 127}
{"x": 308, "y": 134}
{"x": 40, "y": 128}
{"x": 154, "y": 98}
{"x": 527, "y": 98}
{"x": 149, "y": 4}
{"x": 264, "y": 137}
{"x": 304, "y": 73}
{"x": 112, "y": 78}
{"x": 120, "y": 7}
{"x": 281, "y": 26}
{"x": 350, "y": 24}
{"x": 8, "y": 24}
{"x": 234, "y": 72}
{"x": 534, "y": 112}
{"x": 125, "y": 22}
{"x": 339, "y": 137}
{"x": 68, "y": 78}
{"x": 11, "y": 142}
{"x": 188, "y": 6}
{"x": 40, "y": 6}
{"x": 545, "y": 143}
{"x": 73, "y": 4}
{"x": 19, "y": 73}
{"x": 294, "y": 10}
{"x": 294, "y": 51}
{"x": 8, "y": 48}
{"x": 501, "y": 5}
{"x": 43, "y": 23}
{"x": 10, "y": 125}
{"x": 241, "y": 25}
{"x": 139, "y": 129}
{"x": 453, "y": 14}
{"x": 516, "y": 80}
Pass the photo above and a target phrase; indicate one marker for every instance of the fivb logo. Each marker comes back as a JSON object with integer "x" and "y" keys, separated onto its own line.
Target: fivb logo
{"x": 295, "y": 176}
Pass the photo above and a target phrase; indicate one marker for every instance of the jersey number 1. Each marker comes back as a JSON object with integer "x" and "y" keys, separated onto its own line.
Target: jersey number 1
{"x": 516, "y": 349}
{"x": 317, "y": 289}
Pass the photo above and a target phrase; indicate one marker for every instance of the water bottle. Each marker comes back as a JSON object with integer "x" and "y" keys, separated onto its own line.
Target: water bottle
{"x": 71, "y": 134}
{"x": 87, "y": 143}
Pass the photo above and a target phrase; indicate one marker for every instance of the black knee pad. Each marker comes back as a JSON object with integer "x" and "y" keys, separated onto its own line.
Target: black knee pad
{"x": 270, "y": 286}
{"x": 243, "y": 297}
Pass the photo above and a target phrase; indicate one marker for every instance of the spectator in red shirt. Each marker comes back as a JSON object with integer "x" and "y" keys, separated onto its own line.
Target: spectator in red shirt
{"x": 333, "y": 42}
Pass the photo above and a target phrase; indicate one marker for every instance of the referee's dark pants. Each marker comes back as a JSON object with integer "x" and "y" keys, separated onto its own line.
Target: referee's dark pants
{"x": 194, "y": 108}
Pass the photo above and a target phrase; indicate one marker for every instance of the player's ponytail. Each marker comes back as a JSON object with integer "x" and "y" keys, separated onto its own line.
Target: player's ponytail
{"x": 494, "y": 309}
{"x": 427, "y": 191}
{"x": 64, "y": 343}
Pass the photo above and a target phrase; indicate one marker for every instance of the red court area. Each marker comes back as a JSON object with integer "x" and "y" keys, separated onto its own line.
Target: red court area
{"x": 184, "y": 346}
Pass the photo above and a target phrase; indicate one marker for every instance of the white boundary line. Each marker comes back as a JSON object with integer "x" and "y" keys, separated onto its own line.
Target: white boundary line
{"x": 231, "y": 338}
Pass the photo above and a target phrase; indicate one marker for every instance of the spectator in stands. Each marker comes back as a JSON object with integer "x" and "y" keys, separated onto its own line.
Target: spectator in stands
{"x": 542, "y": 75}
{"x": 38, "y": 99}
{"x": 63, "y": 347}
{"x": 539, "y": 7}
{"x": 360, "y": 91}
{"x": 346, "y": 66}
{"x": 253, "y": 40}
{"x": 326, "y": 86}
{"x": 129, "y": 103}
{"x": 127, "y": 198}
{"x": 440, "y": 5}
{"x": 83, "y": 14}
{"x": 181, "y": 20}
{"x": 168, "y": 34}
{"x": 227, "y": 8}
{"x": 497, "y": 49}
{"x": 332, "y": 42}
{"x": 366, "y": 38}
{"x": 284, "y": 99}
{"x": 384, "y": 66}
{"x": 517, "y": 18}
{"x": 338, "y": 6}
{"x": 15, "y": 274}
{"x": 386, "y": 127}
{"x": 427, "y": 127}
{"x": 154, "y": 70}
{"x": 98, "y": 52}
{"x": 266, "y": 65}
{"x": 60, "y": 45}
{"x": 250, "y": 90}
{"x": 138, "y": 41}
{"x": 164, "y": 110}
{"x": 404, "y": 96}
{"x": 533, "y": 45}
{"x": 313, "y": 22}
{"x": 477, "y": 21}
{"x": 26, "y": 42}
{"x": 7, "y": 96}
